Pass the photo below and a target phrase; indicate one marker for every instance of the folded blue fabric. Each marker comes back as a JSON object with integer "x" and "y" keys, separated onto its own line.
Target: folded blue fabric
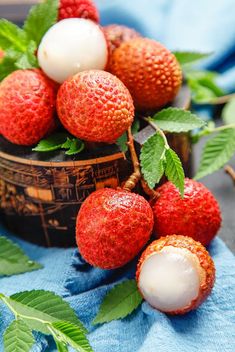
{"x": 179, "y": 24}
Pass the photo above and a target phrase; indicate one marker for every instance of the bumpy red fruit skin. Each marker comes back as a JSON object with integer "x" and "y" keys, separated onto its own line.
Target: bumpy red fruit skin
{"x": 78, "y": 9}
{"x": 205, "y": 260}
{"x": 112, "y": 227}
{"x": 27, "y": 106}
{"x": 196, "y": 215}
{"x": 118, "y": 34}
{"x": 95, "y": 106}
{"x": 150, "y": 72}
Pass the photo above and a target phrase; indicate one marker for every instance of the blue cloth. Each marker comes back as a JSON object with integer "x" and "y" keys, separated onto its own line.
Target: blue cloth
{"x": 204, "y": 25}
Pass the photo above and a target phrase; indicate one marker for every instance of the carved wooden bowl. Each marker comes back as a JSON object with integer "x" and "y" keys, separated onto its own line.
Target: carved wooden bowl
{"x": 41, "y": 193}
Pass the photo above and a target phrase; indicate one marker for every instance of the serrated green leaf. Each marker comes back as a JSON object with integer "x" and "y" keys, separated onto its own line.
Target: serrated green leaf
{"x": 12, "y": 36}
{"x": 217, "y": 152}
{"x": 228, "y": 112}
{"x": 203, "y": 86}
{"x": 152, "y": 159}
{"x": 120, "y": 301}
{"x": 72, "y": 335}
{"x": 177, "y": 120}
{"x": 39, "y": 308}
{"x": 28, "y": 59}
{"x": 13, "y": 260}
{"x": 54, "y": 142}
{"x": 61, "y": 346}
{"x": 174, "y": 170}
{"x": 18, "y": 337}
{"x": 74, "y": 146}
{"x": 7, "y": 66}
{"x": 123, "y": 139}
{"x": 187, "y": 57}
{"x": 40, "y": 18}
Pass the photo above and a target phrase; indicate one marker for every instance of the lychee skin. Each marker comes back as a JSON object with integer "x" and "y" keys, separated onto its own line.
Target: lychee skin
{"x": 196, "y": 215}
{"x": 150, "y": 72}
{"x": 207, "y": 267}
{"x": 27, "y": 105}
{"x": 112, "y": 227}
{"x": 95, "y": 106}
{"x": 118, "y": 34}
{"x": 79, "y": 9}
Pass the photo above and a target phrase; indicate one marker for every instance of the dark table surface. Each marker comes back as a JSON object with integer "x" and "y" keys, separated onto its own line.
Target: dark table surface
{"x": 222, "y": 187}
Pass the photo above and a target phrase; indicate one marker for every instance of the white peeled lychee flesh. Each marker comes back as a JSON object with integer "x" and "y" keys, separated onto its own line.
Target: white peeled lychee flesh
{"x": 71, "y": 46}
{"x": 170, "y": 279}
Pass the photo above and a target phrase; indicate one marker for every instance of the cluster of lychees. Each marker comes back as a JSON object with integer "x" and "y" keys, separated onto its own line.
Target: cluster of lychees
{"x": 91, "y": 79}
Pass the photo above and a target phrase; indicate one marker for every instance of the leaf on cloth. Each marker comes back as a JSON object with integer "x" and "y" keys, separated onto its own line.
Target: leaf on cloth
{"x": 217, "y": 152}
{"x": 187, "y": 57}
{"x": 18, "y": 337}
{"x": 228, "y": 112}
{"x": 39, "y": 307}
{"x": 72, "y": 335}
{"x": 120, "y": 301}
{"x": 13, "y": 260}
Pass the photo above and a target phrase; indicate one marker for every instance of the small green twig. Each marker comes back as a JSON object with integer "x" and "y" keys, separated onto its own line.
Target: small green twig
{"x": 153, "y": 124}
{"x": 221, "y": 100}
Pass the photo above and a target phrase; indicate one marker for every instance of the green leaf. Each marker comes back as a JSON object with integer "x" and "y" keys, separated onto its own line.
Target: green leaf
{"x": 13, "y": 260}
{"x": 7, "y": 65}
{"x": 18, "y": 337}
{"x": 61, "y": 346}
{"x": 152, "y": 159}
{"x": 72, "y": 335}
{"x": 174, "y": 170}
{"x": 120, "y": 301}
{"x": 38, "y": 308}
{"x": 228, "y": 113}
{"x": 123, "y": 139}
{"x": 74, "y": 146}
{"x": 187, "y": 57}
{"x": 41, "y": 17}
{"x": 54, "y": 142}
{"x": 177, "y": 120}
{"x": 217, "y": 152}
{"x": 203, "y": 86}
{"x": 28, "y": 59}
{"x": 12, "y": 36}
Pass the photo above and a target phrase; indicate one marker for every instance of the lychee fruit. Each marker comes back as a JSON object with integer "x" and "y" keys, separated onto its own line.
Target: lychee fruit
{"x": 175, "y": 274}
{"x": 78, "y": 8}
{"x": 27, "y": 105}
{"x": 196, "y": 215}
{"x": 1, "y": 54}
{"x": 117, "y": 34}
{"x": 95, "y": 106}
{"x": 112, "y": 227}
{"x": 149, "y": 70}
{"x": 71, "y": 46}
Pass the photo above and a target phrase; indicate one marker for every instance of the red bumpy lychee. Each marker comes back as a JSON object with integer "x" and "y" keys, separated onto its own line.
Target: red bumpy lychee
{"x": 95, "y": 106}
{"x": 196, "y": 215}
{"x": 149, "y": 70}
{"x": 117, "y": 34}
{"x": 175, "y": 274}
{"x": 78, "y": 8}
{"x": 27, "y": 105}
{"x": 112, "y": 227}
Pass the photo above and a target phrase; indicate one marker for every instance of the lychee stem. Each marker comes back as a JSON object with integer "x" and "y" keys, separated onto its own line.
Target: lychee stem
{"x": 151, "y": 123}
{"x": 136, "y": 175}
{"x": 231, "y": 172}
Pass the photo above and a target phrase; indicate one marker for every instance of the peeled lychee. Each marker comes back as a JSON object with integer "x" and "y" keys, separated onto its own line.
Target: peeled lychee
{"x": 112, "y": 227}
{"x": 27, "y": 106}
{"x": 117, "y": 34}
{"x": 175, "y": 274}
{"x": 196, "y": 215}
{"x": 78, "y": 8}
{"x": 149, "y": 70}
{"x": 71, "y": 46}
{"x": 95, "y": 106}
